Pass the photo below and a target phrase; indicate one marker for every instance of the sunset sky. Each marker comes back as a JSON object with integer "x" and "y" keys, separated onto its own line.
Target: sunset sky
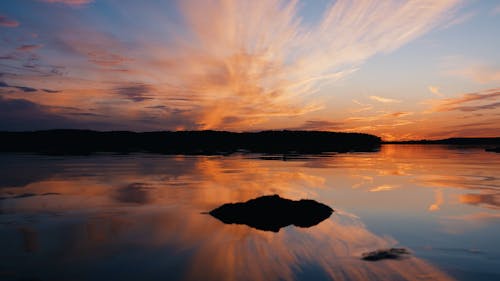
{"x": 397, "y": 69}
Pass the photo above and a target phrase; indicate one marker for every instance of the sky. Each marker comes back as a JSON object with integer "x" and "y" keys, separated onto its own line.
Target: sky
{"x": 397, "y": 69}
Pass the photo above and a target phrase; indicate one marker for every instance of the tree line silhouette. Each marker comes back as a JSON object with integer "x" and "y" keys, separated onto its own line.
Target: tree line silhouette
{"x": 185, "y": 142}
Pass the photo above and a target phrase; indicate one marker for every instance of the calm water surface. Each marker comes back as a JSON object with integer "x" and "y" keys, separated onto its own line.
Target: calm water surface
{"x": 134, "y": 217}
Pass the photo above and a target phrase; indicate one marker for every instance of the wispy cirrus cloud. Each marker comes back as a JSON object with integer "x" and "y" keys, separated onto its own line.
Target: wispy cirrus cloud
{"x": 479, "y": 107}
{"x": 475, "y": 70}
{"x": 28, "y": 47}
{"x": 496, "y": 10}
{"x": 320, "y": 125}
{"x": 463, "y": 102}
{"x": 435, "y": 90}
{"x": 363, "y": 107}
{"x": 228, "y": 64}
{"x": 461, "y": 19}
{"x": 134, "y": 92}
{"x": 479, "y": 73}
{"x": 397, "y": 114}
{"x": 257, "y": 59}
{"x": 102, "y": 50}
{"x": 384, "y": 100}
{"x": 22, "y": 88}
{"x": 22, "y": 114}
{"x": 7, "y": 22}
{"x": 69, "y": 2}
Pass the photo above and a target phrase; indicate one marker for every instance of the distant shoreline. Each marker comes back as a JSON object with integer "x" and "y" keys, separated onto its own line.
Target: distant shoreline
{"x": 452, "y": 141}
{"x": 83, "y": 142}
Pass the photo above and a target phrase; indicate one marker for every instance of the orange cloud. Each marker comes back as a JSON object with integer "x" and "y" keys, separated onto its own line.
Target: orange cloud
{"x": 234, "y": 65}
{"x": 451, "y": 104}
{"x": 263, "y": 63}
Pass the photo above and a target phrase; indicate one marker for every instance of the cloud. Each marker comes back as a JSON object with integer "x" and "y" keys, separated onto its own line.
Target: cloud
{"x": 479, "y": 73}
{"x": 379, "y": 117}
{"x": 319, "y": 125}
{"x": 397, "y": 114}
{"x": 6, "y": 22}
{"x": 435, "y": 91}
{"x": 28, "y": 47}
{"x": 364, "y": 107}
{"x": 51, "y": 91}
{"x": 451, "y": 104}
{"x": 25, "y": 88}
{"x": 496, "y": 10}
{"x": 101, "y": 49}
{"x": 460, "y": 19}
{"x": 265, "y": 63}
{"x": 135, "y": 92}
{"x": 21, "y": 114}
{"x": 384, "y": 100}
{"x": 106, "y": 59}
{"x": 460, "y": 131}
{"x": 22, "y": 88}
{"x": 69, "y": 2}
{"x": 478, "y": 107}
{"x": 231, "y": 64}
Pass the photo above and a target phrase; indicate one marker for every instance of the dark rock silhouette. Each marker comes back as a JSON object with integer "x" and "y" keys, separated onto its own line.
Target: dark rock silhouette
{"x": 383, "y": 254}
{"x": 81, "y": 142}
{"x": 271, "y": 213}
{"x": 493, "y": 149}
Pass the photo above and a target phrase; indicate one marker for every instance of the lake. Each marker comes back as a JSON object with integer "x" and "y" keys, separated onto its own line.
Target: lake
{"x": 143, "y": 216}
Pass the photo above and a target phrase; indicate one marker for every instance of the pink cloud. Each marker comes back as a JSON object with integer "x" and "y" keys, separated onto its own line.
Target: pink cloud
{"x": 28, "y": 47}
{"x": 69, "y": 2}
{"x": 6, "y": 22}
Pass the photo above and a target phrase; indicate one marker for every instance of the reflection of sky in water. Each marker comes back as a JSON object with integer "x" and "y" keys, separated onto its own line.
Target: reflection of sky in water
{"x": 139, "y": 217}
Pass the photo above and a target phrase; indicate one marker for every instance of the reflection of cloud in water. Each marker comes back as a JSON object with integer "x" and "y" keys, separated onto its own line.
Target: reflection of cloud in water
{"x": 491, "y": 201}
{"x": 384, "y": 187}
{"x": 98, "y": 218}
{"x": 232, "y": 252}
{"x": 458, "y": 181}
{"x": 438, "y": 201}
{"x": 134, "y": 193}
{"x": 148, "y": 208}
{"x": 468, "y": 222}
{"x": 30, "y": 239}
